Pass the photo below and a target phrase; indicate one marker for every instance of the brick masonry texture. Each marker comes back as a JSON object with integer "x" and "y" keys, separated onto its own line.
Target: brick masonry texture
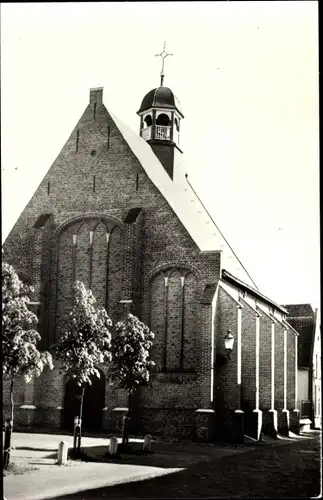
{"x": 290, "y": 370}
{"x": 265, "y": 363}
{"x": 123, "y": 268}
{"x": 108, "y": 225}
{"x": 226, "y": 390}
{"x": 165, "y": 154}
{"x": 279, "y": 366}
{"x": 248, "y": 357}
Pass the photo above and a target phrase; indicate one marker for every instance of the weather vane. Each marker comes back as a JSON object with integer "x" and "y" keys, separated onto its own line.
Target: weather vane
{"x": 163, "y": 55}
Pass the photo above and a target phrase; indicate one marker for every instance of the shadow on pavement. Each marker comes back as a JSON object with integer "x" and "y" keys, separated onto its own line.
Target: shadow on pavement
{"x": 166, "y": 459}
{"x": 32, "y": 448}
{"x": 272, "y": 472}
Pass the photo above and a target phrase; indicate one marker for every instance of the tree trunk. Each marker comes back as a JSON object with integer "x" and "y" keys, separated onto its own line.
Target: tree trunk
{"x": 11, "y": 401}
{"x": 8, "y": 429}
{"x": 81, "y": 413}
{"x": 125, "y": 420}
{"x": 129, "y": 413}
{"x": 81, "y": 402}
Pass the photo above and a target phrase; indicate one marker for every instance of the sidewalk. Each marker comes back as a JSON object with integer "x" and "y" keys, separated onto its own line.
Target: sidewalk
{"x": 50, "y": 480}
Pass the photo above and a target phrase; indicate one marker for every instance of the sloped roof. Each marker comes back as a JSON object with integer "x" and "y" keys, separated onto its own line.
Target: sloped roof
{"x": 255, "y": 293}
{"x": 297, "y": 310}
{"x": 302, "y": 318}
{"x": 161, "y": 97}
{"x": 182, "y": 200}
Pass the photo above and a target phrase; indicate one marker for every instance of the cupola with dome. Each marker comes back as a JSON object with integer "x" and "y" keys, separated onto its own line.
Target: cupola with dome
{"x": 160, "y": 117}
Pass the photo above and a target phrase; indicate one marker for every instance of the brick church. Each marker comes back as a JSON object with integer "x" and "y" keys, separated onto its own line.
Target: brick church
{"x": 116, "y": 210}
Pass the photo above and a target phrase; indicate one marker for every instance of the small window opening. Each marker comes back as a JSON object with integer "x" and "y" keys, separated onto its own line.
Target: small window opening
{"x": 148, "y": 121}
{"x": 137, "y": 182}
{"x": 94, "y": 110}
{"x": 93, "y": 183}
{"x": 108, "y": 141}
{"x": 48, "y": 187}
{"x": 162, "y": 120}
{"x": 77, "y": 140}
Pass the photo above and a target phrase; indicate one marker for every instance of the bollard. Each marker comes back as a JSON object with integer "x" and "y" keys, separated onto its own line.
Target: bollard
{"x": 7, "y": 443}
{"x": 113, "y": 446}
{"x": 124, "y": 429}
{"x": 147, "y": 443}
{"x": 62, "y": 453}
{"x": 77, "y": 434}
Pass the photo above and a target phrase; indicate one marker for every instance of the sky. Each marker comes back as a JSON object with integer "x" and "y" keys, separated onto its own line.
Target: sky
{"x": 246, "y": 76}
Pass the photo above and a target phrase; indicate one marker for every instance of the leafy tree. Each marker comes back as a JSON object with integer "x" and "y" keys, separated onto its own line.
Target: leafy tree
{"x": 20, "y": 356}
{"x": 131, "y": 363}
{"x": 87, "y": 341}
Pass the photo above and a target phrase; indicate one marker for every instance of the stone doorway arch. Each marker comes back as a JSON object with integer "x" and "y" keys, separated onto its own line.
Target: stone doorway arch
{"x": 93, "y": 404}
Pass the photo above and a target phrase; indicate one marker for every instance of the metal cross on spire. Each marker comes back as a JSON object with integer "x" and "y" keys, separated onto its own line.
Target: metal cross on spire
{"x": 163, "y": 55}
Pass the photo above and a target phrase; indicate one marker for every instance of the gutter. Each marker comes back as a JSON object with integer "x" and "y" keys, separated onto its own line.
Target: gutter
{"x": 236, "y": 281}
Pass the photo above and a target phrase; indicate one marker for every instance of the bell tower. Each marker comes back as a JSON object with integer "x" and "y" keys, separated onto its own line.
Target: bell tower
{"x": 160, "y": 121}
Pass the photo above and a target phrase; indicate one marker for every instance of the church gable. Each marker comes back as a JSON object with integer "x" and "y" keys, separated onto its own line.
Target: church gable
{"x": 82, "y": 224}
{"x": 95, "y": 171}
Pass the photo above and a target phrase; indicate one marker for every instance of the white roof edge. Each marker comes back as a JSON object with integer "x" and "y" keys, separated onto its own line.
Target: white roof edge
{"x": 251, "y": 306}
{"x": 279, "y": 321}
{"x": 222, "y": 285}
{"x": 193, "y": 216}
{"x": 269, "y": 316}
{"x": 291, "y": 327}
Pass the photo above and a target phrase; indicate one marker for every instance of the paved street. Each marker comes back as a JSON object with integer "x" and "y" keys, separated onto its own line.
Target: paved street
{"x": 283, "y": 468}
{"x": 267, "y": 472}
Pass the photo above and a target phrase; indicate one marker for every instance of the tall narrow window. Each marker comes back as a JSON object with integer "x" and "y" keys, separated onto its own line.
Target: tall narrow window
{"x": 137, "y": 182}
{"x": 108, "y": 141}
{"x": 94, "y": 110}
{"x": 48, "y": 187}
{"x": 93, "y": 183}
{"x": 173, "y": 311}
{"x": 77, "y": 140}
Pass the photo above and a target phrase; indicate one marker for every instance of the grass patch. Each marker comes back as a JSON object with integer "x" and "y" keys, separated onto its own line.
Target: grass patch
{"x": 123, "y": 451}
{"x": 15, "y": 469}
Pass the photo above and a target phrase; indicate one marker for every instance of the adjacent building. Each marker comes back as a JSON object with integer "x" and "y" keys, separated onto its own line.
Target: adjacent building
{"x": 306, "y": 322}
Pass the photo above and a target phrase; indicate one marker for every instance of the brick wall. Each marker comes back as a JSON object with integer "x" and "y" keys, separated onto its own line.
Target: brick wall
{"x": 165, "y": 154}
{"x": 190, "y": 305}
{"x": 290, "y": 370}
{"x": 265, "y": 363}
{"x": 248, "y": 357}
{"x": 279, "y": 366}
{"x": 173, "y": 303}
{"x": 99, "y": 264}
{"x": 96, "y": 148}
{"x": 226, "y": 390}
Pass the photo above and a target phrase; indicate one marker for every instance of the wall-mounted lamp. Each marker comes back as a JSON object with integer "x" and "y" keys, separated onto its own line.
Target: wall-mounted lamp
{"x": 228, "y": 343}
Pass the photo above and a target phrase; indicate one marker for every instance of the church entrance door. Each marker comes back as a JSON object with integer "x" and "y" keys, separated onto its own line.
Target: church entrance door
{"x": 93, "y": 404}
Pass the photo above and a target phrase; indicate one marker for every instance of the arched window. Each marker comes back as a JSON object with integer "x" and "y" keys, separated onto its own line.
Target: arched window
{"x": 90, "y": 250}
{"x": 173, "y": 310}
{"x": 163, "y": 120}
{"x": 148, "y": 121}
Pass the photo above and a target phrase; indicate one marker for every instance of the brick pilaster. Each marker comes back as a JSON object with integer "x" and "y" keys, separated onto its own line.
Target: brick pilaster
{"x": 132, "y": 265}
